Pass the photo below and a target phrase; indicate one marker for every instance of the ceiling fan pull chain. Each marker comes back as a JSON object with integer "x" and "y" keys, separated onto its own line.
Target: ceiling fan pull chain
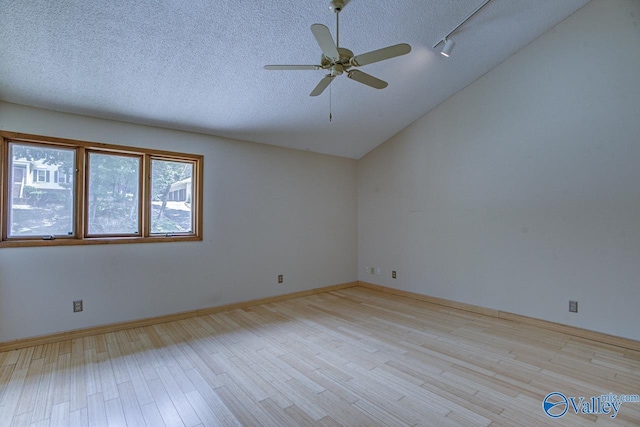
{"x": 330, "y": 117}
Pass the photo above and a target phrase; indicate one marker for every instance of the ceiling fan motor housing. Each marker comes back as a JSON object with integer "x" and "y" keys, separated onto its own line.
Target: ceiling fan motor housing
{"x": 345, "y": 59}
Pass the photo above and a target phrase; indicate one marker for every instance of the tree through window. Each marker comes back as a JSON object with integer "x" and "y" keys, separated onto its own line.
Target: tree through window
{"x": 114, "y": 205}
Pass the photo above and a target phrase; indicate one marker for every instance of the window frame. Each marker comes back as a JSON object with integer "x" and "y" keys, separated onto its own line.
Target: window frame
{"x": 81, "y": 234}
{"x": 88, "y": 152}
{"x": 150, "y": 196}
{"x": 5, "y": 216}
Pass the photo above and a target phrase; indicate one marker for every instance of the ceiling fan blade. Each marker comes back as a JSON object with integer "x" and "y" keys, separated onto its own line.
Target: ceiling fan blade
{"x": 367, "y": 79}
{"x": 381, "y": 54}
{"x": 324, "y": 83}
{"x": 325, "y": 41}
{"x": 292, "y": 67}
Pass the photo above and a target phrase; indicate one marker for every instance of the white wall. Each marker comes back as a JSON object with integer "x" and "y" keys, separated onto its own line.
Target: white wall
{"x": 522, "y": 191}
{"x": 267, "y": 211}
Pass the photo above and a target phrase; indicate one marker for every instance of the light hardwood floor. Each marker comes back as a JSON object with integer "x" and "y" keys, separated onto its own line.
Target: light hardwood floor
{"x": 349, "y": 357}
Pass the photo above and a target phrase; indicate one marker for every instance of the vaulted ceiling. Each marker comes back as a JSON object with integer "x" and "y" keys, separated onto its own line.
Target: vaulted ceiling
{"x": 197, "y": 65}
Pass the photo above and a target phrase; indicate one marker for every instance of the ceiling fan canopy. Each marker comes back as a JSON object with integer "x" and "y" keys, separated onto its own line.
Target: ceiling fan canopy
{"x": 338, "y": 60}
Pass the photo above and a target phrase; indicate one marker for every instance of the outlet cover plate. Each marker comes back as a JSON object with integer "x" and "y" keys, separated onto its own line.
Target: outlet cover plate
{"x": 77, "y": 306}
{"x": 573, "y": 306}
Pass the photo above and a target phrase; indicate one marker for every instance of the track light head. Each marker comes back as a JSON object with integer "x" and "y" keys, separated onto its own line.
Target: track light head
{"x": 448, "y": 47}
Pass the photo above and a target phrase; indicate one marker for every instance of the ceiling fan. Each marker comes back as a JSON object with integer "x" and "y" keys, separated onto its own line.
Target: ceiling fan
{"x": 338, "y": 60}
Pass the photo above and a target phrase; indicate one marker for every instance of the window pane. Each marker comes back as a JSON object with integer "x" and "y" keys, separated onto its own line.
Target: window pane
{"x": 37, "y": 206}
{"x": 113, "y": 194}
{"x": 171, "y": 197}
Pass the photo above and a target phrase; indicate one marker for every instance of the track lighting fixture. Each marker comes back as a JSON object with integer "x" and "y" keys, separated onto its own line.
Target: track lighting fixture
{"x": 448, "y": 47}
{"x": 448, "y": 43}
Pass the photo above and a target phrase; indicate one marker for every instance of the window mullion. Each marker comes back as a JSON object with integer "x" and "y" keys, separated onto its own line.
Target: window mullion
{"x": 4, "y": 189}
{"x": 145, "y": 195}
{"x": 80, "y": 190}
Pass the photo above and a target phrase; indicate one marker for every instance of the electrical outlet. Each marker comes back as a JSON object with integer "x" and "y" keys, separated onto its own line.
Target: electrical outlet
{"x": 372, "y": 270}
{"x": 280, "y": 278}
{"x": 573, "y": 306}
{"x": 377, "y": 271}
{"x": 77, "y": 306}
{"x": 393, "y": 274}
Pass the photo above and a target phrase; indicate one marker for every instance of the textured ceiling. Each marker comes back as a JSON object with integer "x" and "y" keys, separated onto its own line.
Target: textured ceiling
{"x": 197, "y": 65}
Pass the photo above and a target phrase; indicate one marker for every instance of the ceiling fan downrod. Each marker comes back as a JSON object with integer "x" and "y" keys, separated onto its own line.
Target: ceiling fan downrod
{"x": 336, "y": 7}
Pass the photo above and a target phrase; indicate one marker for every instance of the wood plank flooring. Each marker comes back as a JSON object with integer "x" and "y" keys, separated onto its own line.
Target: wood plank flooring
{"x": 349, "y": 357}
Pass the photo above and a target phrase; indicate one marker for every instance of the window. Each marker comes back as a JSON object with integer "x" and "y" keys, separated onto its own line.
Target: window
{"x": 171, "y": 189}
{"x": 18, "y": 174}
{"x": 63, "y": 192}
{"x": 114, "y": 205}
{"x": 41, "y": 175}
{"x": 37, "y": 210}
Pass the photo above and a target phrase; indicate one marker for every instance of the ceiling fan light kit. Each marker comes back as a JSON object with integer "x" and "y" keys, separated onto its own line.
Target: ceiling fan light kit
{"x": 337, "y": 60}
